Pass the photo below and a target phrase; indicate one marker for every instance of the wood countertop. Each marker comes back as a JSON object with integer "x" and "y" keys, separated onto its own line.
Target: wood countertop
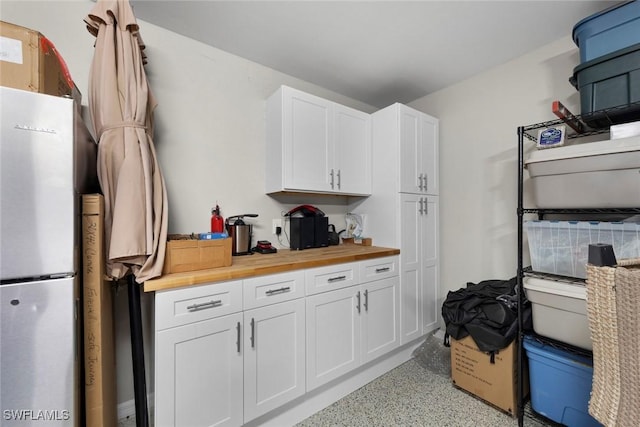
{"x": 261, "y": 264}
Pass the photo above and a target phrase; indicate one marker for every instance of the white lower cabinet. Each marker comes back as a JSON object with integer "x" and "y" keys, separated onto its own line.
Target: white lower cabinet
{"x": 227, "y": 353}
{"x": 351, "y": 326}
{"x": 380, "y": 318}
{"x": 274, "y": 363}
{"x": 333, "y": 335}
{"x": 199, "y": 374}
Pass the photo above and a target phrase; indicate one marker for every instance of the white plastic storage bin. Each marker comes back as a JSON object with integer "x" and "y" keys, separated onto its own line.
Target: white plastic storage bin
{"x": 562, "y": 247}
{"x": 602, "y": 174}
{"x": 557, "y": 302}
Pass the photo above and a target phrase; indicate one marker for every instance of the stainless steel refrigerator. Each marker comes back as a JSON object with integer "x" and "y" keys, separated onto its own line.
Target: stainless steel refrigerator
{"x": 47, "y": 160}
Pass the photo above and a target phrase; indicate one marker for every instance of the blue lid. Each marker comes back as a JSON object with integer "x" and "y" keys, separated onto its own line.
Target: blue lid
{"x": 560, "y": 356}
{"x": 577, "y": 28}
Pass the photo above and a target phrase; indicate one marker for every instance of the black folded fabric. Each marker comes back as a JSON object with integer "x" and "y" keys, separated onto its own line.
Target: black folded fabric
{"x": 487, "y": 311}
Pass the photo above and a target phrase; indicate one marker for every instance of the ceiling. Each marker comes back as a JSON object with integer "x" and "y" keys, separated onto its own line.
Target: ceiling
{"x": 377, "y": 52}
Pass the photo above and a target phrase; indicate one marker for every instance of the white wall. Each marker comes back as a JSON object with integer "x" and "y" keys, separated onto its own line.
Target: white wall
{"x": 210, "y": 142}
{"x": 209, "y": 134}
{"x": 478, "y": 157}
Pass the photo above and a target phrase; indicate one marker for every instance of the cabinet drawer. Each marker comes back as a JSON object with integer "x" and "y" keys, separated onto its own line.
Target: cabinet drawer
{"x": 331, "y": 277}
{"x": 265, "y": 290}
{"x": 378, "y": 268}
{"x": 182, "y": 306}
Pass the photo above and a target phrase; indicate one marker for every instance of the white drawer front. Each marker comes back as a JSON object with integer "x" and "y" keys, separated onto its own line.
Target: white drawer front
{"x": 193, "y": 304}
{"x": 337, "y": 276}
{"x": 378, "y": 268}
{"x": 265, "y": 290}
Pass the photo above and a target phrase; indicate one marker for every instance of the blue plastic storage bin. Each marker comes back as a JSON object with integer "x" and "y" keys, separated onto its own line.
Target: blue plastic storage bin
{"x": 560, "y": 384}
{"x": 612, "y": 29}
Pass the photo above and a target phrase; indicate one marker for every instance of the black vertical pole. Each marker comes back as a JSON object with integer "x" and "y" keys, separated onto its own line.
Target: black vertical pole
{"x": 137, "y": 353}
{"x": 520, "y": 382}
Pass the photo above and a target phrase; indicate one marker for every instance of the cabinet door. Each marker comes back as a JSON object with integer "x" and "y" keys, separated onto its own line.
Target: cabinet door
{"x": 198, "y": 379}
{"x": 307, "y": 141}
{"x": 429, "y": 154}
{"x": 352, "y": 131}
{"x": 380, "y": 317}
{"x": 274, "y": 362}
{"x": 333, "y": 335}
{"x": 430, "y": 264}
{"x": 419, "y": 265}
{"x": 410, "y": 150}
{"x": 410, "y": 267}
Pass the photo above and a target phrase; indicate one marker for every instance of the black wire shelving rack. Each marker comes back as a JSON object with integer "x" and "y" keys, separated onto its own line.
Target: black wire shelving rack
{"x": 529, "y": 132}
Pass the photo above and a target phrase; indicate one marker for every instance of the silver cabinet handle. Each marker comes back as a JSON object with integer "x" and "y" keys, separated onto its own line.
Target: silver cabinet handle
{"x": 358, "y": 305}
{"x": 426, "y": 207}
{"x": 339, "y": 180}
{"x": 272, "y": 292}
{"x": 238, "y": 336}
{"x": 253, "y": 331}
{"x": 336, "y": 279}
{"x": 203, "y": 305}
{"x": 421, "y": 210}
{"x": 382, "y": 270}
{"x": 366, "y": 300}
{"x": 426, "y": 182}
{"x": 331, "y": 175}
{"x": 420, "y": 177}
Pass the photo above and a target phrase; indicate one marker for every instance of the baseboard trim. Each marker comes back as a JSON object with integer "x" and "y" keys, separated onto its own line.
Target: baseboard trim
{"x": 128, "y": 409}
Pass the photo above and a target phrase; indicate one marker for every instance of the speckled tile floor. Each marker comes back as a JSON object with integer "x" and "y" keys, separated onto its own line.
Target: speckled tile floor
{"x": 417, "y": 393}
{"x": 410, "y": 395}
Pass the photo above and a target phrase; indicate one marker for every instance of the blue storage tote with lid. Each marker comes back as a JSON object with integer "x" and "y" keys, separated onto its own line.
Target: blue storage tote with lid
{"x": 560, "y": 384}
{"x": 610, "y": 30}
{"x": 610, "y": 82}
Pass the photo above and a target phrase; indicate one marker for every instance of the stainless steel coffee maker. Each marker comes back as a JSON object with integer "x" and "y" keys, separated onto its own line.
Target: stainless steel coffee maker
{"x": 240, "y": 234}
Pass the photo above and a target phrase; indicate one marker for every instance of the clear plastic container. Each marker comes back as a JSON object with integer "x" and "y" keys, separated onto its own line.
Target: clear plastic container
{"x": 562, "y": 247}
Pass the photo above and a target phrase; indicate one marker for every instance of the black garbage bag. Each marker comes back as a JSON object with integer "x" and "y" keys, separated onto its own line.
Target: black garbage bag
{"x": 488, "y": 311}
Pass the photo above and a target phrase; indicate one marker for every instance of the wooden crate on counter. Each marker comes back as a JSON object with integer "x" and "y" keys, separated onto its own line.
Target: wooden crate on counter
{"x": 191, "y": 255}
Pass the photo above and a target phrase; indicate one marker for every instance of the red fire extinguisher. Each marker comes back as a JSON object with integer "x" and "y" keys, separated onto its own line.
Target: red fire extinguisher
{"x": 217, "y": 222}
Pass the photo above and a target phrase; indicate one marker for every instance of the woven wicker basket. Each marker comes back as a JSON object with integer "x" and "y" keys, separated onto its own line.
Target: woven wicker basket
{"x": 613, "y": 300}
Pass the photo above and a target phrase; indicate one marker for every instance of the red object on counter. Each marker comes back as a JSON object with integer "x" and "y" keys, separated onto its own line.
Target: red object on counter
{"x": 217, "y": 222}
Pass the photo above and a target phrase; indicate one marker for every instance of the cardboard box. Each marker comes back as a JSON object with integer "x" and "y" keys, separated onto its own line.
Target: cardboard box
{"x": 495, "y": 383}
{"x": 99, "y": 346}
{"x": 29, "y": 61}
{"x": 190, "y": 255}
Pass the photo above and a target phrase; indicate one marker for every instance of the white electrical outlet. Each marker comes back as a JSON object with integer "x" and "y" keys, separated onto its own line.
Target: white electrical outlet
{"x": 276, "y": 223}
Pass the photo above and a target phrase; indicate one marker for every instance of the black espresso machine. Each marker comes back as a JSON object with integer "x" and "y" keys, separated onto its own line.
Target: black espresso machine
{"x": 309, "y": 227}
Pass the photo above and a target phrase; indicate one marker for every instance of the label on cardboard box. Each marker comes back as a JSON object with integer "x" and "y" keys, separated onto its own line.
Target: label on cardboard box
{"x": 473, "y": 371}
{"x": 10, "y": 50}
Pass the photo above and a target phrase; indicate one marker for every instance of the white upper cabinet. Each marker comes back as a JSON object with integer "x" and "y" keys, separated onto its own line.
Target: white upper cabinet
{"x": 315, "y": 145}
{"x": 352, "y": 130}
{"x": 418, "y": 136}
